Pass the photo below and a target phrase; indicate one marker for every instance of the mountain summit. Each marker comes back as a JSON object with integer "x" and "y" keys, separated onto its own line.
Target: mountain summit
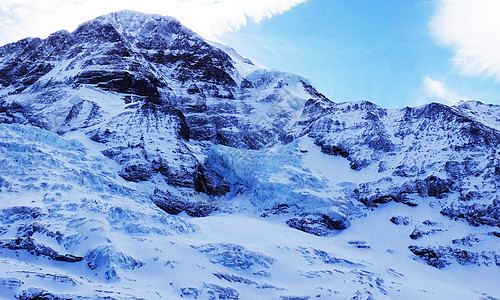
{"x": 141, "y": 161}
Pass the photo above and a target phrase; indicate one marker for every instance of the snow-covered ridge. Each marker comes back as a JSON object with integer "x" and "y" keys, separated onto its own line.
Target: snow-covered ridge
{"x": 139, "y": 160}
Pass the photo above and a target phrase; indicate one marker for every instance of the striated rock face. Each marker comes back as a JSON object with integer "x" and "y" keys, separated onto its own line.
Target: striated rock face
{"x": 440, "y": 257}
{"x": 174, "y": 205}
{"x": 129, "y": 80}
{"x": 476, "y": 214}
{"x": 429, "y": 151}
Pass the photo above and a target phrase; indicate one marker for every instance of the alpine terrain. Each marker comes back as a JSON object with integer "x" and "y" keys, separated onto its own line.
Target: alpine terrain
{"x": 141, "y": 161}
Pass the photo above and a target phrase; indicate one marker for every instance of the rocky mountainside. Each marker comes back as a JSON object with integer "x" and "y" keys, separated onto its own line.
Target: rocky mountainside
{"x": 141, "y": 161}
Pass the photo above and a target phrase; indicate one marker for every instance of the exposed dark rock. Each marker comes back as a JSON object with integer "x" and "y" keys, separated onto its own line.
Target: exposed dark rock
{"x": 209, "y": 182}
{"x": 41, "y": 294}
{"x": 469, "y": 196}
{"x": 280, "y": 209}
{"x": 430, "y": 255}
{"x": 418, "y": 233}
{"x": 319, "y": 224}
{"x": 494, "y": 233}
{"x": 136, "y": 172}
{"x": 59, "y": 278}
{"x": 442, "y": 256}
{"x": 377, "y": 199}
{"x": 359, "y": 244}
{"x": 190, "y": 292}
{"x": 334, "y": 150}
{"x": 28, "y": 230}
{"x": 381, "y": 143}
{"x": 429, "y": 223}
{"x": 400, "y": 220}
{"x": 476, "y": 214}
{"x": 457, "y": 169}
{"x": 431, "y": 186}
{"x": 30, "y": 245}
{"x": 468, "y": 240}
{"x": 174, "y": 205}
{"x": 434, "y": 186}
{"x": 184, "y": 131}
{"x": 82, "y": 115}
{"x": 121, "y": 82}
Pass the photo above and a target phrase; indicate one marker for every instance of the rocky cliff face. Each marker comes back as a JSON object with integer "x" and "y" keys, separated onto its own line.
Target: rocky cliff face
{"x": 131, "y": 127}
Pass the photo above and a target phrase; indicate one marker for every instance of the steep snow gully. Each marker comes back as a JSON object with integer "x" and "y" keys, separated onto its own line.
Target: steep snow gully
{"x": 140, "y": 161}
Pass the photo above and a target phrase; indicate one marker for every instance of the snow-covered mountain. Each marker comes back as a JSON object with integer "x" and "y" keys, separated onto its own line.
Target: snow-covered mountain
{"x": 140, "y": 161}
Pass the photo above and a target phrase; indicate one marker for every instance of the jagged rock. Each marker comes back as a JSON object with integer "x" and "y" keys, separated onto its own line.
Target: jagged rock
{"x": 430, "y": 223}
{"x": 333, "y": 150}
{"x": 41, "y": 294}
{"x": 209, "y": 182}
{"x": 136, "y": 172}
{"x": 431, "y": 186}
{"x": 108, "y": 258}
{"x": 468, "y": 240}
{"x": 174, "y": 205}
{"x": 218, "y": 292}
{"x": 235, "y": 256}
{"x": 494, "y": 233}
{"x": 25, "y": 231}
{"x": 431, "y": 256}
{"x": 476, "y": 214}
{"x": 418, "y": 233}
{"x": 280, "y": 209}
{"x": 375, "y": 200}
{"x": 442, "y": 256}
{"x": 190, "y": 292}
{"x": 400, "y": 220}
{"x": 122, "y": 82}
{"x": 359, "y": 244}
{"x": 434, "y": 186}
{"x": 30, "y": 245}
{"x": 319, "y": 224}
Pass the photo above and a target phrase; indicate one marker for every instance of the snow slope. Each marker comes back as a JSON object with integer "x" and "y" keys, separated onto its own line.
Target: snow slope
{"x": 124, "y": 247}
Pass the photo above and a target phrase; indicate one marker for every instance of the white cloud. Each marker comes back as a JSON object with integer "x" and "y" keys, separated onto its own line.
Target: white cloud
{"x": 209, "y": 18}
{"x": 472, "y": 29}
{"x": 435, "y": 90}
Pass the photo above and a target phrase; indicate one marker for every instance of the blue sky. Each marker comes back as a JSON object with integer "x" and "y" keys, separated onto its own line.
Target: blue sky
{"x": 382, "y": 51}
{"x": 391, "y": 52}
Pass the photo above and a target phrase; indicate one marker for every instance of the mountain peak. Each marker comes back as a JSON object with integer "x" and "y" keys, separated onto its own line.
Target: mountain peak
{"x": 134, "y": 23}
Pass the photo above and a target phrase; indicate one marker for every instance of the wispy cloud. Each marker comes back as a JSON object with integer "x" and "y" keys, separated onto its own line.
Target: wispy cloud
{"x": 209, "y": 18}
{"x": 435, "y": 90}
{"x": 472, "y": 29}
